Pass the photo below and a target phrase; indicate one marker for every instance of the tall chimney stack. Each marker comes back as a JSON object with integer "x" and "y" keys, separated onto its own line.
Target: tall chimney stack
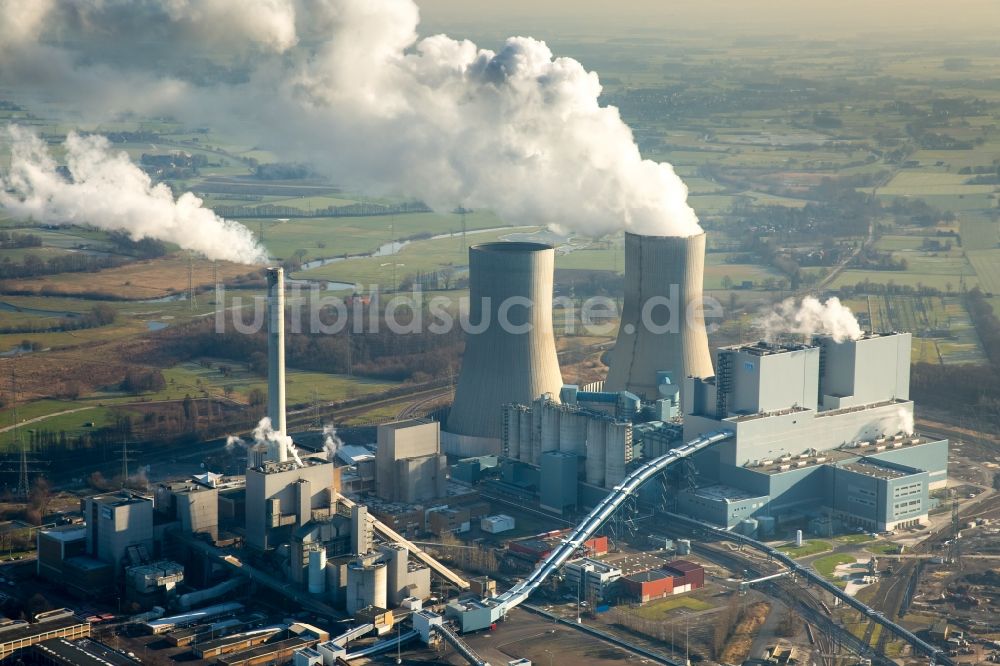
{"x": 661, "y": 270}
{"x": 276, "y": 358}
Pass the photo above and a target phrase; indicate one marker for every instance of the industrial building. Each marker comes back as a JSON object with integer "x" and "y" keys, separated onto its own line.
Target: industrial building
{"x": 409, "y": 465}
{"x": 118, "y": 523}
{"x": 510, "y": 350}
{"x": 16, "y": 635}
{"x": 824, "y": 426}
{"x": 281, "y": 496}
{"x": 675, "y": 577}
{"x": 80, "y": 652}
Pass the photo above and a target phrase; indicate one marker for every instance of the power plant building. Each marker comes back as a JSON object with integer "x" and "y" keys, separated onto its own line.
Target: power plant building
{"x": 281, "y": 496}
{"x": 510, "y": 351}
{"x": 826, "y": 426}
{"x": 409, "y": 465}
{"x": 116, "y": 523}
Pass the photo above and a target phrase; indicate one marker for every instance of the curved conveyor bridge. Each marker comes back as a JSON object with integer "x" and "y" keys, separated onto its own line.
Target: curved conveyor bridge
{"x": 604, "y": 510}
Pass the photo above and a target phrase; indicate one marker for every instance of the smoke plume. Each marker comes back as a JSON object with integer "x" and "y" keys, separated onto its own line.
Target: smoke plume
{"x": 348, "y": 86}
{"x": 810, "y": 317}
{"x": 900, "y": 422}
{"x": 108, "y": 191}
{"x": 331, "y": 442}
{"x": 265, "y": 434}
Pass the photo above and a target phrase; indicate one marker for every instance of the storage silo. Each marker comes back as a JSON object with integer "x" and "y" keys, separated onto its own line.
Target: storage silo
{"x": 618, "y": 452}
{"x": 551, "y": 416}
{"x": 367, "y": 584}
{"x": 573, "y": 433}
{"x": 527, "y": 438}
{"x": 317, "y": 571}
{"x": 512, "y": 430}
{"x": 596, "y": 451}
{"x": 663, "y": 324}
{"x": 510, "y": 351}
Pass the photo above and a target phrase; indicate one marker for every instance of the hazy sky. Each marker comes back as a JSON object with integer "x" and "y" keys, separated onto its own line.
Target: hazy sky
{"x": 805, "y": 17}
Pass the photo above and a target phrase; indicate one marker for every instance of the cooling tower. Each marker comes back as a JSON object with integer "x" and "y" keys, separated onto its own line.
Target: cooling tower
{"x": 663, "y": 324}
{"x": 276, "y": 358}
{"x": 510, "y": 351}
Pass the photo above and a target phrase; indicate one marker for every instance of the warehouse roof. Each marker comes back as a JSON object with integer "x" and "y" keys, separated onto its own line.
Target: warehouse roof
{"x": 84, "y": 652}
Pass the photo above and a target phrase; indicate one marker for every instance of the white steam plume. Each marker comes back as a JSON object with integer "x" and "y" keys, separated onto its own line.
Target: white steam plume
{"x": 265, "y": 434}
{"x": 810, "y": 317}
{"x": 355, "y": 92}
{"x": 110, "y": 192}
{"x": 233, "y": 442}
{"x": 331, "y": 442}
{"x": 901, "y": 421}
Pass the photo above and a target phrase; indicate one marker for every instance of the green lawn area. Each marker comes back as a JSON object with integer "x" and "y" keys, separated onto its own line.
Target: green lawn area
{"x": 75, "y": 423}
{"x": 883, "y": 548}
{"x": 658, "y": 610}
{"x": 302, "y": 386}
{"x": 987, "y": 266}
{"x": 826, "y": 564}
{"x": 854, "y": 538}
{"x": 809, "y": 547}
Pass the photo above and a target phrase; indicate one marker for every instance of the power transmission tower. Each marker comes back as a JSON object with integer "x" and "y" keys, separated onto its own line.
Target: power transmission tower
{"x": 956, "y": 537}
{"x": 24, "y": 464}
{"x": 125, "y": 459}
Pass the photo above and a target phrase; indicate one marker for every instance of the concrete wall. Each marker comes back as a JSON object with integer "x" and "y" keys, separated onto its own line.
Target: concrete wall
{"x": 873, "y": 369}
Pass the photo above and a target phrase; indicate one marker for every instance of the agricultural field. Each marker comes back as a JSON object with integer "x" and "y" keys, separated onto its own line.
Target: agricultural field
{"x": 755, "y": 129}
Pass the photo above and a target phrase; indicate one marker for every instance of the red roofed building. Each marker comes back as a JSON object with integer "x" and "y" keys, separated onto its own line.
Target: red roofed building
{"x": 675, "y": 577}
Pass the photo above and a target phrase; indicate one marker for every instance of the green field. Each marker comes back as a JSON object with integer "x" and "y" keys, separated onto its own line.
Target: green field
{"x": 883, "y": 548}
{"x": 303, "y": 387}
{"x": 662, "y": 608}
{"x": 809, "y": 547}
{"x": 827, "y": 564}
{"x": 325, "y": 237}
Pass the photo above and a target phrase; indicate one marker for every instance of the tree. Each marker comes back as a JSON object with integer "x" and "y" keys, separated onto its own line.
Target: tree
{"x": 727, "y": 282}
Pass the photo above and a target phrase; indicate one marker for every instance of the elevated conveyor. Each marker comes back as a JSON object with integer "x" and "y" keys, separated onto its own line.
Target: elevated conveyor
{"x": 604, "y": 510}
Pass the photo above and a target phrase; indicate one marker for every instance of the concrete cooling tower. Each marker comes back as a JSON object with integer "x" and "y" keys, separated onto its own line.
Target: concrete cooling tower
{"x": 509, "y": 283}
{"x": 660, "y": 270}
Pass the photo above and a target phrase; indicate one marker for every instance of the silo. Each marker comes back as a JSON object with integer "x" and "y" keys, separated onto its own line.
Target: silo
{"x": 596, "y": 451}
{"x": 663, "y": 324}
{"x": 550, "y": 429}
{"x": 618, "y": 452}
{"x": 367, "y": 585}
{"x": 526, "y": 424}
{"x": 510, "y": 351}
{"x": 317, "y": 571}
{"x": 512, "y": 431}
{"x": 573, "y": 433}
{"x": 684, "y": 546}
